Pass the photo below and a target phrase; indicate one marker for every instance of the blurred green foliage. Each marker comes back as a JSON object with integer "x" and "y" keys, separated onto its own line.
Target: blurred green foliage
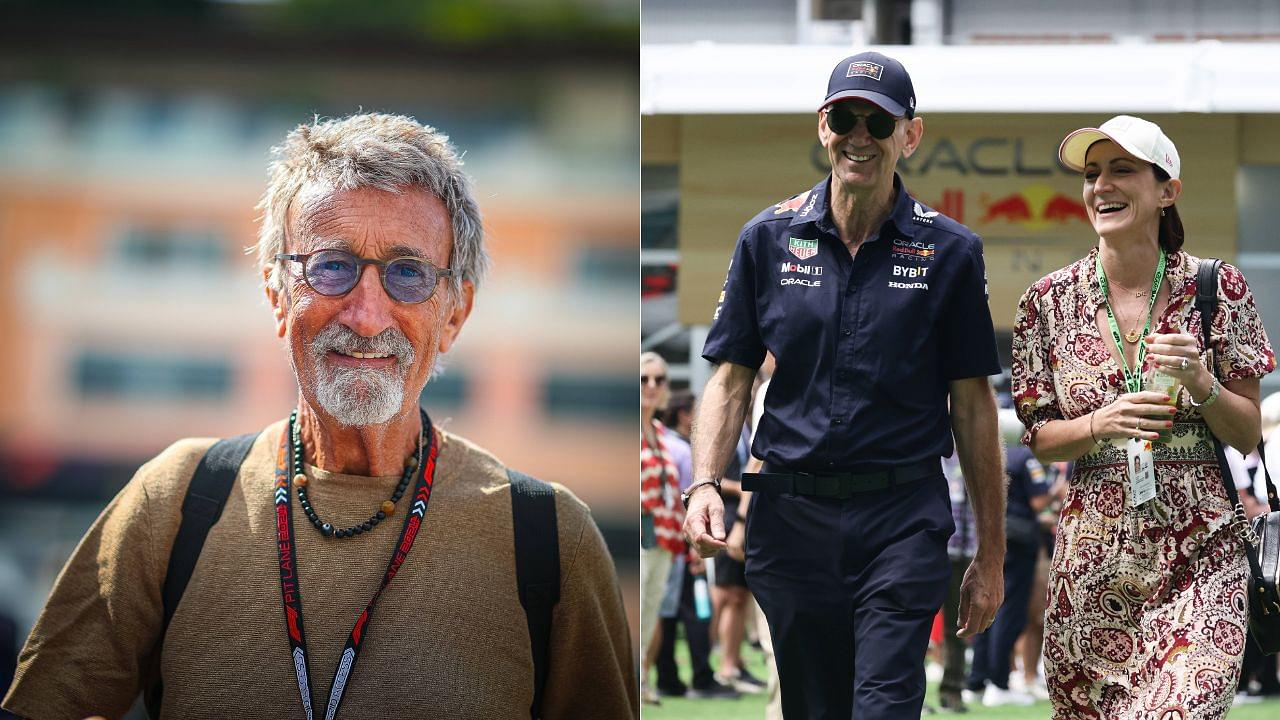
{"x": 472, "y": 21}
{"x": 442, "y": 23}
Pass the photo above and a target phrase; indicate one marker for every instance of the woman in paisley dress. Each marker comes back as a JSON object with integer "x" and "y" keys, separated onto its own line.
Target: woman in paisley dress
{"x": 1147, "y": 611}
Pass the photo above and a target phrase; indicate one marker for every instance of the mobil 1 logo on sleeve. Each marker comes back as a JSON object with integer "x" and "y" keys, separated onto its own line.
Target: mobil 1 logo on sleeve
{"x": 909, "y": 277}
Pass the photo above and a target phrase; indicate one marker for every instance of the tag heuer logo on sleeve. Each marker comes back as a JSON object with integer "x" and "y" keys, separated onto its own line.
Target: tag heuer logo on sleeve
{"x": 803, "y": 249}
{"x": 865, "y": 69}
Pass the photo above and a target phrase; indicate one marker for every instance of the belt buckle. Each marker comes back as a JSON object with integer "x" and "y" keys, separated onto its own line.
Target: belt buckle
{"x": 832, "y": 486}
{"x": 844, "y": 488}
{"x": 803, "y": 483}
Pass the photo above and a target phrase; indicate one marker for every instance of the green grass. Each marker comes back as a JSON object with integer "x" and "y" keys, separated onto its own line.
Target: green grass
{"x": 749, "y": 707}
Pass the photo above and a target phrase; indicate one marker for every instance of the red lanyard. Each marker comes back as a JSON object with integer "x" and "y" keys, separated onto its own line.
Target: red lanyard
{"x": 291, "y": 591}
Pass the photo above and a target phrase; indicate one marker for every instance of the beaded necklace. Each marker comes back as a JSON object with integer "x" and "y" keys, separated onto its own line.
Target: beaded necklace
{"x": 387, "y": 508}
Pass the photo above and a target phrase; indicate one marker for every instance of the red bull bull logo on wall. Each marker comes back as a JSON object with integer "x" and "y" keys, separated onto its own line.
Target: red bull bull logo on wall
{"x": 1034, "y": 207}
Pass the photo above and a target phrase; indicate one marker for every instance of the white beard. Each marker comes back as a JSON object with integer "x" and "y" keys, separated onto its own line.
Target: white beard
{"x": 358, "y": 397}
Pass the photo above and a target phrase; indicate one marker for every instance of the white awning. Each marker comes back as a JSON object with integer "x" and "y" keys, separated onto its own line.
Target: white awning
{"x": 1206, "y": 76}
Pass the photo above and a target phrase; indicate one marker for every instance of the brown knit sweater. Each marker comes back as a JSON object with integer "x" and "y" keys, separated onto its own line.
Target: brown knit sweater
{"x": 447, "y": 639}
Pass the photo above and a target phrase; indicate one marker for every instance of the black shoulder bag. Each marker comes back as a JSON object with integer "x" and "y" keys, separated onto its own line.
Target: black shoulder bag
{"x": 533, "y": 517}
{"x": 1261, "y": 538}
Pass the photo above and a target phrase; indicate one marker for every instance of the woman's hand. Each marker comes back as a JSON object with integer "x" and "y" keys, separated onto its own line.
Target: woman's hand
{"x": 1178, "y": 356}
{"x": 1130, "y": 416}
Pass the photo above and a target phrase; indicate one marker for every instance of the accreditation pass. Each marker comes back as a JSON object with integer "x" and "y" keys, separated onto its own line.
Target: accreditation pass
{"x": 1142, "y": 471}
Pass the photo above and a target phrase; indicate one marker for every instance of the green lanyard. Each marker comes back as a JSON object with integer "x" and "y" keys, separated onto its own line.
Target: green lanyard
{"x": 1132, "y": 378}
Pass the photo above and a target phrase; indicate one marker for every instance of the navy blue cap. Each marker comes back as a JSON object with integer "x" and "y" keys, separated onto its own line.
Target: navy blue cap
{"x": 876, "y": 78}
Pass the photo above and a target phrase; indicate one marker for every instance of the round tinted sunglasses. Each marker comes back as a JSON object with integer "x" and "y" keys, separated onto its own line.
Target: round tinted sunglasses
{"x": 335, "y": 272}
{"x": 842, "y": 120}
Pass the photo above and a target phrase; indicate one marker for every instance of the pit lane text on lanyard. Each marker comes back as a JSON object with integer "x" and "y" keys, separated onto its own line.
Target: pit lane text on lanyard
{"x": 290, "y": 590}
{"x": 1141, "y": 464}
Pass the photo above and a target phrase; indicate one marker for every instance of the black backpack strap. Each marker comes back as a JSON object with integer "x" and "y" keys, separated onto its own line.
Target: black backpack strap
{"x": 201, "y": 508}
{"x": 537, "y": 544}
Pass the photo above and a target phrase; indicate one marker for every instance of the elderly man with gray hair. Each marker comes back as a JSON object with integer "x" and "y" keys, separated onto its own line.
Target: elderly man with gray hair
{"x": 438, "y": 583}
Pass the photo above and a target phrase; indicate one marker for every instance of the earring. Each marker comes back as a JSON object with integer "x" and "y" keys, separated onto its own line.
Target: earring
{"x": 1161, "y": 212}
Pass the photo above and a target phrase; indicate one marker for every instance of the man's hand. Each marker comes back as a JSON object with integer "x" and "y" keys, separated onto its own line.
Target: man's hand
{"x": 981, "y": 593}
{"x": 704, "y": 521}
{"x": 973, "y": 420}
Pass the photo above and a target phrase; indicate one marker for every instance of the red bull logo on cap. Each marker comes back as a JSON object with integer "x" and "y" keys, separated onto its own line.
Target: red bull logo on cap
{"x": 1035, "y": 207}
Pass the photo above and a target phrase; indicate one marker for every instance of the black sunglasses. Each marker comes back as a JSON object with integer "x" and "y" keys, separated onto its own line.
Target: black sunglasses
{"x": 658, "y": 380}
{"x": 842, "y": 120}
{"x": 335, "y": 272}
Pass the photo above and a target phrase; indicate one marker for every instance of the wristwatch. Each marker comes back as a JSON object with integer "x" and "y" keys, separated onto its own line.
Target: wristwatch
{"x": 684, "y": 496}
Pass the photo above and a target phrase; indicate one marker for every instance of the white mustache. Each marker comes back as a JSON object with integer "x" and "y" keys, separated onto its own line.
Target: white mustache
{"x": 343, "y": 339}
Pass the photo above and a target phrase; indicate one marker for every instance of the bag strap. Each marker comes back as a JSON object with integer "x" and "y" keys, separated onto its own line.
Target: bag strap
{"x": 201, "y": 508}
{"x": 537, "y": 546}
{"x": 1207, "y": 300}
{"x": 1207, "y": 304}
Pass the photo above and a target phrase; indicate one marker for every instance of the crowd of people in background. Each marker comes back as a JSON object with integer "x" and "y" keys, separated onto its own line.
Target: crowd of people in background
{"x": 710, "y": 602}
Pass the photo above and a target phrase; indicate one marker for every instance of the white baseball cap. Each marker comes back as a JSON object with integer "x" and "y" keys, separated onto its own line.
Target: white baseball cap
{"x": 1141, "y": 138}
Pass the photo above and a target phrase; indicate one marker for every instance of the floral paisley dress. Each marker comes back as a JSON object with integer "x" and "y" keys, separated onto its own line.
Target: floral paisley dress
{"x": 1146, "y": 612}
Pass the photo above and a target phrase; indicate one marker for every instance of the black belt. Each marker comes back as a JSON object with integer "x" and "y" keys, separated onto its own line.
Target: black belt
{"x": 838, "y": 485}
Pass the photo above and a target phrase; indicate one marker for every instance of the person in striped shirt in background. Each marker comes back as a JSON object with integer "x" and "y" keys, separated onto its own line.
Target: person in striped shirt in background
{"x": 661, "y": 513}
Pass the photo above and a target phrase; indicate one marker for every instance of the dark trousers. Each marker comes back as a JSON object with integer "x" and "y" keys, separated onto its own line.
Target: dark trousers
{"x": 991, "y": 649}
{"x": 850, "y": 589}
{"x": 953, "y": 667}
{"x": 697, "y": 634}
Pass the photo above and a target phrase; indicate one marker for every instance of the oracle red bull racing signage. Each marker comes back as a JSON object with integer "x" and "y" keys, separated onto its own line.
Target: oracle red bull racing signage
{"x": 998, "y": 186}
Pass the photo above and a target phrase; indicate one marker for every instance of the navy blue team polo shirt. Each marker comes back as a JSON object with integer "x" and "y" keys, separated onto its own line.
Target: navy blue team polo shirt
{"x": 865, "y": 345}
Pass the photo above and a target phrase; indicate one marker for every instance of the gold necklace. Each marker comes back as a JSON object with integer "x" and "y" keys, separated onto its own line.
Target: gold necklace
{"x": 1134, "y": 334}
{"x": 1136, "y": 293}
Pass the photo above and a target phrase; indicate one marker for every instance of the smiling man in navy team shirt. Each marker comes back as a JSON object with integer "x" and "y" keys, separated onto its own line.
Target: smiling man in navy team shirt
{"x": 875, "y": 308}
